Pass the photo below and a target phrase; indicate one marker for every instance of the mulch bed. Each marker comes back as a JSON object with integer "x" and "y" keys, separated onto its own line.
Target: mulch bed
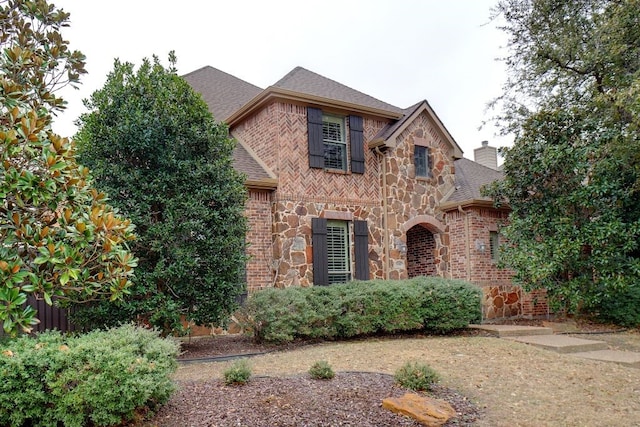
{"x": 349, "y": 399}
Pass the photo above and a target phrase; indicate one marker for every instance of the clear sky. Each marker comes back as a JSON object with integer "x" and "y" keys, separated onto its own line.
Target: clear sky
{"x": 399, "y": 51}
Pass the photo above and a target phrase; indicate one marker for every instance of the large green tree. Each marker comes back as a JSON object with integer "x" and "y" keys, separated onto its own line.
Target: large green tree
{"x": 154, "y": 146}
{"x": 58, "y": 237}
{"x": 572, "y": 174}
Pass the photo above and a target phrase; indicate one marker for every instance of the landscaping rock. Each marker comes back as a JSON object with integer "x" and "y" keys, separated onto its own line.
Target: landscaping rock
{"x": 427, "y": 411}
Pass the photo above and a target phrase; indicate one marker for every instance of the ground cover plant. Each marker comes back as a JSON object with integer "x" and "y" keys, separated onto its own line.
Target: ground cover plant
{"x": 237, "y": 374}
{"x": 360, "y": 308}
{"x": 416, "y": 376}
{"x": 321, "y": 370}
{"x": 102, "y": 378}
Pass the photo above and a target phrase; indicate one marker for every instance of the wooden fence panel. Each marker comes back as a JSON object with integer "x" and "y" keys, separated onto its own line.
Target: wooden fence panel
{"x": 51, "y": 317}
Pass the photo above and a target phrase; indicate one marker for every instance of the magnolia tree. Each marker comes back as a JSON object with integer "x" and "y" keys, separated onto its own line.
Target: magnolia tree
{"x": 572, "y": 174}
{"x": 58, "y": 236}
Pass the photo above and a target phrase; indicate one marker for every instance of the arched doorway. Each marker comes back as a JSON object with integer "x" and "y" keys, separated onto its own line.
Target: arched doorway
{"x": 421, "y": 252}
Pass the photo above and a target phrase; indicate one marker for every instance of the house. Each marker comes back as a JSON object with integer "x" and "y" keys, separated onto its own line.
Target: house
{"x": 344, "y": 186}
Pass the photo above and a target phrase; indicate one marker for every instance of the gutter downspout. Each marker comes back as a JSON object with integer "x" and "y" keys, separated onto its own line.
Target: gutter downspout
{"x": 467, "y": 242}
{"x": 385, "y": 221}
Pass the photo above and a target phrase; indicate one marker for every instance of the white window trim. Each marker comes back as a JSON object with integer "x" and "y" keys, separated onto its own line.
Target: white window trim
{"x": 328, "y": 118}
{"x": 345, "y": 227}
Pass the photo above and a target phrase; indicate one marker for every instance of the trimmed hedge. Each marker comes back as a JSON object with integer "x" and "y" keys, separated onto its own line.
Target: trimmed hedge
{"x": 102, "y": 378}
{"x": 359, "y": 308}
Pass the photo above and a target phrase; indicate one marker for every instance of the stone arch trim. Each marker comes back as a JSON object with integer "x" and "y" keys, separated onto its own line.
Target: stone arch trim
{"x": 427, "y": 221}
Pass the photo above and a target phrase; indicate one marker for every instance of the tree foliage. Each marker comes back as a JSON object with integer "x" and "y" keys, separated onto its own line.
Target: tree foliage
{"x": 58, "y": 237}
{"x": 571, "y": 177}
{"x": 154, "y": 146}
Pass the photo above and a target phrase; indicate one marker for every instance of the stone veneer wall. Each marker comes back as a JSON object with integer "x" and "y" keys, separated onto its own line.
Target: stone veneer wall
{"x": 410, "y": 197}
{"x": 293, "y": 253}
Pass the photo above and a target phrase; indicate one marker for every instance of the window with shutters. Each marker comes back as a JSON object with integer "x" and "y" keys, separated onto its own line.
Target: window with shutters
{"x": 335, "y": 145}
{"x": 332, "y": 261}
{"x": 338, "y": 260}
{"x": 421, "y": 161}
{"x": 328, "y": 142}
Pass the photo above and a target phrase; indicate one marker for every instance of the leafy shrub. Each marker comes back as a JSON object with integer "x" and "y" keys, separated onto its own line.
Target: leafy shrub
{"x": 416, "y": 376}
{"x": 102, "y": 378}
{"x": 238, "y": 373}
{"x": 621, "y": 307}
{"x": 359, "y": 308}
{"x": 321, "y": 370}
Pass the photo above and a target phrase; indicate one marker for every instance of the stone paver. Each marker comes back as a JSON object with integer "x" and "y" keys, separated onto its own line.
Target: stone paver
{"x": 626, "y": 358}
{"x": 561, "y": 343}
{"x": 544, "y": 337}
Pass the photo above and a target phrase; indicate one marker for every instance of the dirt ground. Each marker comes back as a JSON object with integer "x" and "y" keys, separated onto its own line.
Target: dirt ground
{"x": 508, "y": 383}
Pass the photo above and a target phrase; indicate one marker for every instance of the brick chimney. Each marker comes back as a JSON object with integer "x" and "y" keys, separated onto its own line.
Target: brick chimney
{"x": 486, "y": 156}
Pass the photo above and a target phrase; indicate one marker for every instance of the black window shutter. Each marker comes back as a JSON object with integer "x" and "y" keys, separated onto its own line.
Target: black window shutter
{"x": 319, "y": 242}
{"x": 361, "y": 234}
{"x": 357, "y": 144}
{"x": 316, "y": 145}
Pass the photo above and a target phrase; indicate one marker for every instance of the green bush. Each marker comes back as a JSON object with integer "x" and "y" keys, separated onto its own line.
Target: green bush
{"x": 416, "y": 376}
{"x": 238, "y": 373}
{"x": 621, "y": 308}
{"x": 360, "y": 308}
{"x": 321, "y": 370}
{"x": 102, "y": 378}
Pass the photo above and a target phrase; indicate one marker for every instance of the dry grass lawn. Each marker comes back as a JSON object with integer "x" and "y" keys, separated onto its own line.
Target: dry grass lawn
{"x": 514, "y": 384}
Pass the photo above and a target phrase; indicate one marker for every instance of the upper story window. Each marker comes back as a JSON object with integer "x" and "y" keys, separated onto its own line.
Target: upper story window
{"x": 421, "y": 161}
{"x": 328, "y": 139}
{"x": 335, "y": 144}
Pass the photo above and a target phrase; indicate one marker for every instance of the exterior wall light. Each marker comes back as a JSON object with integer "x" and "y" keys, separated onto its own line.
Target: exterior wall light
{"x": 480, "y": 246}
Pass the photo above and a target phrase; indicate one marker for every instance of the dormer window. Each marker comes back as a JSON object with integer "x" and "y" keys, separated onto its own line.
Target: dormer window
{"x": 335, "y": 145}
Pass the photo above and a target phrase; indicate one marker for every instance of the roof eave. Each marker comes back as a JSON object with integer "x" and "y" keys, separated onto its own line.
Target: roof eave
{"x": 272, "y": 92}
{"x": 472, "y": 203}
{"x": 262, "y": 184}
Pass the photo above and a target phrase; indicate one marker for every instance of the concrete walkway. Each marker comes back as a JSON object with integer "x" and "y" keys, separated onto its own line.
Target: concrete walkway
{"x": 544, "y": 337}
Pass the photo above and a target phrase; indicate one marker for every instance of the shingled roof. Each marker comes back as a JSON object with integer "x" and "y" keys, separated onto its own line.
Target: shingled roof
{"x": 223, "y": 93}
{"x": 470, "y": 177}
{"x": 247, "y": 162}
{"x": 307, "y": 82}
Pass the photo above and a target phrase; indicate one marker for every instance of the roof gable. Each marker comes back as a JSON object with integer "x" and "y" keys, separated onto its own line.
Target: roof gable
{"x": 224, "y": 94}
{"x": 387, "y": 136}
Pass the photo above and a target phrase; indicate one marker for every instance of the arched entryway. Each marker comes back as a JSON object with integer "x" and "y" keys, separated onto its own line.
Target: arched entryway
{"x": 421, "y": 252}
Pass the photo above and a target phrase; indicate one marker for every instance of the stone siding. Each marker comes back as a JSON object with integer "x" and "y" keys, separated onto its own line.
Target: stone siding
{"x": 410, "y": 197}
{"x": 292, "y": 249}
